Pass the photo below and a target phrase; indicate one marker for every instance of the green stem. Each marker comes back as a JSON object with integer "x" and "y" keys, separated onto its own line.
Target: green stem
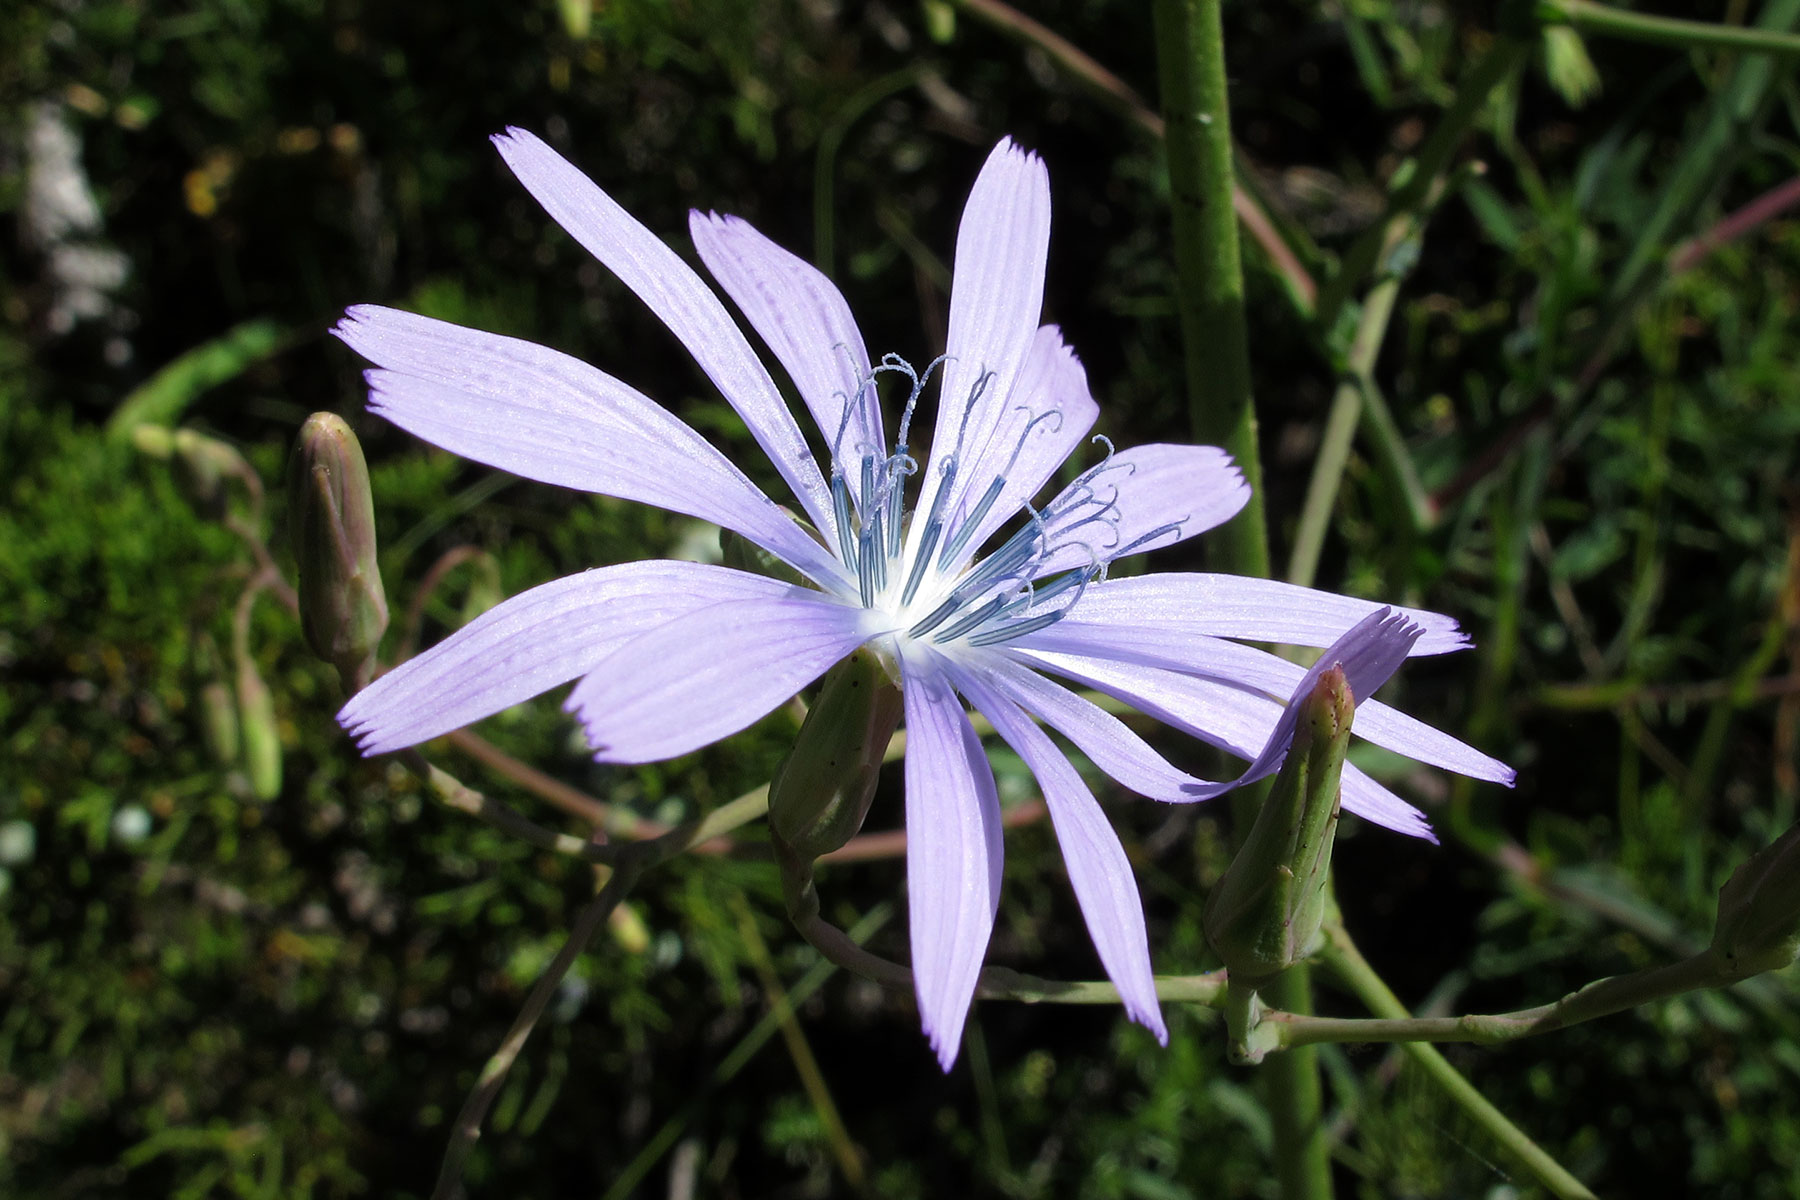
{"x": 1392, "y": 456}
{"x": 1296, "y": 1100}
{"x": 995, "y": 983}
{"x": 1426, "y": 172}
{"x": 1340, "y": 427}
{"x": 1348, "y": 964}
{"x": 781, "y": 1009}
{"x": 460, "y": 796}
{"x": 1665, "y": 31}
{"x": 831, "y": 141}
{"x": 806, "y": 1064}
{"x": 1209, "y": 272}
{"x": 467, "y": 1129}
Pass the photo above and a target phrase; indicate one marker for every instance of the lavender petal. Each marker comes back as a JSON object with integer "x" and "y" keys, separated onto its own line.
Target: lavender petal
{"x": 997, "y": 293}
{"x": 531, "y": 643}
{"x": 1221, "y": 715}
{"x": 1261, "y": 610}
{"x": 709, "y": 673}
{"x": 806, "y": 322}
{"x": 676, "y": 294}
{"x": 535, "y": 412}
{"x": 1107, "y": 741}
{"x": 1144, "y": 498}
{"x": 953, "y": 852}
{"x": 1257, "y": 670}
{"x": 1098, "y": 869}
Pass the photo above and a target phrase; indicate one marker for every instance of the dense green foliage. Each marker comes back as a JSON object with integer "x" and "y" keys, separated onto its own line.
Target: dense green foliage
{"x": 214, "y": 981}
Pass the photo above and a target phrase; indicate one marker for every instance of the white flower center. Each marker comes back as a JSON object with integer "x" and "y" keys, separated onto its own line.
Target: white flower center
{"x": 912, "y": 568}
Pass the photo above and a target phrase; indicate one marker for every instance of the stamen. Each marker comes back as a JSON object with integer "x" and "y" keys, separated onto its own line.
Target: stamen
{"x": 840, "y": 508}
{"x": 1050, "y": 591}
{"x": 869, "y": 503}
{"x": 971, "y": 620}
{"x": 921, "y": 560}
{"x": 966, "y": 530}
{"x": 934, "y": 618}
{"x": 865, "y": 570}
{"x": 893, "y": 362}
{"x": 898, "y": 468}
{"x": 1146, "y": 539}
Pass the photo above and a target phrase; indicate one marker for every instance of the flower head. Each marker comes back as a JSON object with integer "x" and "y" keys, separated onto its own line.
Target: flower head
{"x": 913, "y": 559}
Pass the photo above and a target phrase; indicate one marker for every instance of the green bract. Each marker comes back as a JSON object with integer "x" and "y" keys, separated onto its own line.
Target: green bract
{"x": 821, "y": 792}
{"x": 1264, "y": 914}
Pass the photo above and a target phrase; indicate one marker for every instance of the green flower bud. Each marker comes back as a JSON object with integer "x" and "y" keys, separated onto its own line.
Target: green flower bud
{"x": 1264, "y": 915}
{"x": 821, "y": 791}
{"x": 331, "y": 518}
{"x": 1759, "y": 910}
{"x": 261, "y": 734}
{"x": 218, "y": 707}
{"x": 219, "y": 721}
{"x": 1566, "y": 63}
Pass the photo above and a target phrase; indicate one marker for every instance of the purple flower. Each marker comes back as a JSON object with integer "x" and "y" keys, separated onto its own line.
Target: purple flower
{"x": 671, "y": 656}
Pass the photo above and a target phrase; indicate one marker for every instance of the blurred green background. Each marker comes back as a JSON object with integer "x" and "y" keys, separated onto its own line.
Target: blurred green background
{"x": 257, "y": 966}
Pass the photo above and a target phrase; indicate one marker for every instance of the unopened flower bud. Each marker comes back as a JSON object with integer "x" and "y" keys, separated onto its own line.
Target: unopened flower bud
{"x": 1264, "y": 915}
{"x": 219, "y": 721}
{"x": 821, "y": 792}
{"x": 218, "y": 707}
{"x": 1567, "y": 65}
{"x": 331, "y": 518}
{"x": 1759, "y": 910}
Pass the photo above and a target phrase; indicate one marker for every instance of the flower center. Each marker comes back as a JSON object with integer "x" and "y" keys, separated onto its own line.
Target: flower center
{"x": 914, "y": 566}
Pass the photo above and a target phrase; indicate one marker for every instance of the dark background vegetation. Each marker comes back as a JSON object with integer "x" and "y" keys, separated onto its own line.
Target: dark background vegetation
{"x": 204, "y": 993}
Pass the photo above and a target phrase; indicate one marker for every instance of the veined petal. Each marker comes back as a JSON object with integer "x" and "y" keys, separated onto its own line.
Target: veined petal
{"x": 682, "y": 300}
{"x": 1260, "y": 610}
{"x": 1369, "y": 654}
{"x": 1052, "y": 411}
{"x": 953, "y": 851}
{"x": 806, "y": 322}
{"x": 1222, "y": 716}
{"x": 541, "y": 414}
{"x": 1250, "y": 668}
{"x": 1098, "y": 869}
{"x": 1141, "y": 499}
{"x": 710, "y": 672}
{"x": 997, "y": 292}
{"x": 532, "y": 642}
{"x": 1106, "y": 740}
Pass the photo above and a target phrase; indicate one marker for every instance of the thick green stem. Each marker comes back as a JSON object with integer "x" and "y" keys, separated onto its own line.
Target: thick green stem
{"x": 1296, "y": 1100}
{"x": 1209, "y": 273}
{"x": 1215, "y": 339}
